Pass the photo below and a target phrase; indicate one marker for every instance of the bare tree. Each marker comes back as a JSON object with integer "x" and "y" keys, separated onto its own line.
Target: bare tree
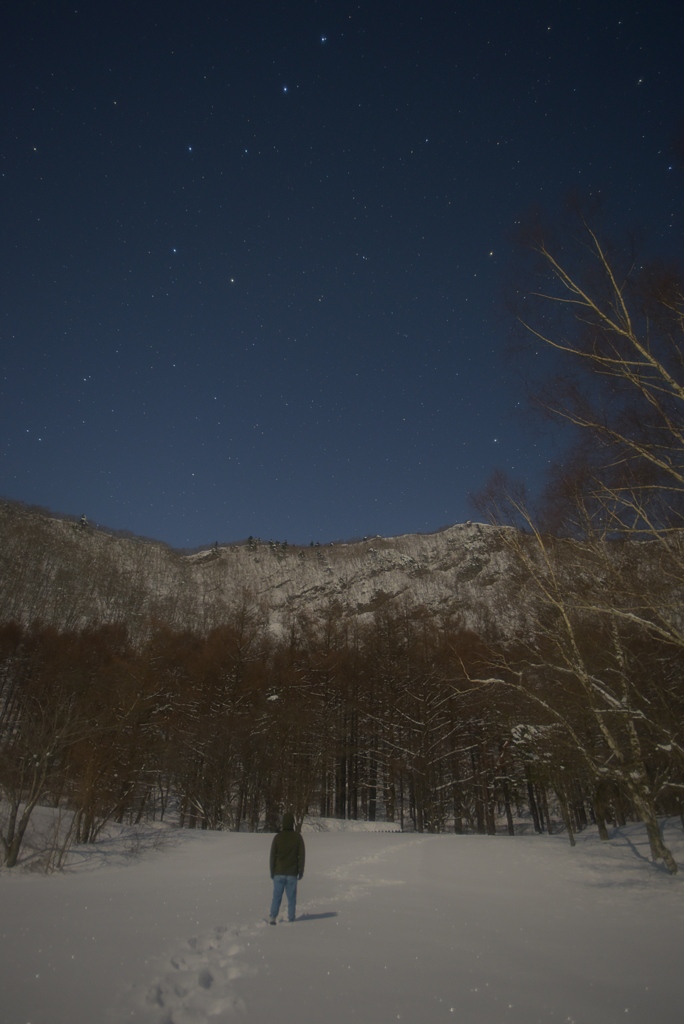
{"x": 583, "y": 668}
{"x": 606, "y": 554}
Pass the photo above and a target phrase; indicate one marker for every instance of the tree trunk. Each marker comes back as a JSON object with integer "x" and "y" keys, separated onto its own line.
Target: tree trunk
{"x": 565, "y": 812}
{"x": 600, "y": 810}
{"x": 533, "y": 808}
{"x": 372, "y": 784}
{"x": 458, "y": 810}
{"x": 544, "y": 803}
{"x": 507, "y": 806}
{"x": 646, "y": 811}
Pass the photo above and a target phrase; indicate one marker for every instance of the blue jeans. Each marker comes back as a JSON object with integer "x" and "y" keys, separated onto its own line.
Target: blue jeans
{"x": 287, "y": 884}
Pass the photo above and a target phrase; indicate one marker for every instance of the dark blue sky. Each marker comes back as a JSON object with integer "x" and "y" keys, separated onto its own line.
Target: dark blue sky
{"x": 254, "y": 253}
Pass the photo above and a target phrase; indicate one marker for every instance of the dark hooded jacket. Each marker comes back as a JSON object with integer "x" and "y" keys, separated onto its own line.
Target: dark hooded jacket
{"x": 287, "y": 850}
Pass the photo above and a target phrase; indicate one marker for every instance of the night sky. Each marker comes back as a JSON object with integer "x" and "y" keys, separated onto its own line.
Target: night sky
{"x": 254, "y": 254}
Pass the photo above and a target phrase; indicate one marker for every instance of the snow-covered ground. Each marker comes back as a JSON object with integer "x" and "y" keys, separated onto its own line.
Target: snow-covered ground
{"x": 391, "y": 927}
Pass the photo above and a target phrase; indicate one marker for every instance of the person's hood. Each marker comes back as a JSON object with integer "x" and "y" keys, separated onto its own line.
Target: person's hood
{"x": 288, "y": 821}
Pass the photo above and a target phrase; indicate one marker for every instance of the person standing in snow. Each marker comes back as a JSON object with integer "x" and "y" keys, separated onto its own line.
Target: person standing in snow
{"x": 287, "y": 867}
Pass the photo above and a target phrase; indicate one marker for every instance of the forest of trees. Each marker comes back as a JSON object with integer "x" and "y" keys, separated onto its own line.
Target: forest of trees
{"x": 399, "y": 720}
{"x": 405, "y": 716}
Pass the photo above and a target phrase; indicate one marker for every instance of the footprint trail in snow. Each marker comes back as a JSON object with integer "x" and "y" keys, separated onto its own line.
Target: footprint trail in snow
{"x": 198, "y": 983}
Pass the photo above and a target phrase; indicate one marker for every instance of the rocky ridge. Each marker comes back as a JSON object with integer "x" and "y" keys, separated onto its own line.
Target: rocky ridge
{"x": 71, "y": 575}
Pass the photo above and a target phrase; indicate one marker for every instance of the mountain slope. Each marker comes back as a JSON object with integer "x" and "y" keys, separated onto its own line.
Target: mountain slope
{"x": 68, "y": 575}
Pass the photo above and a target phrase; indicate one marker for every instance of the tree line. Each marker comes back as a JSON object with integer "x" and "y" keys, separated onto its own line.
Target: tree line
{"x": 407, "y": 719}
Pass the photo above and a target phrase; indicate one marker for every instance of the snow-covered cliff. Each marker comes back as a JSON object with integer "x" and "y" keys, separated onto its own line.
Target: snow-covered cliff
{"x": 70, "y": 575}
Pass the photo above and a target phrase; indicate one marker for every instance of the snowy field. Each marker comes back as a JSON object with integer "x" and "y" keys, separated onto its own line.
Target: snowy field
{"x": 391, "y": 927}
